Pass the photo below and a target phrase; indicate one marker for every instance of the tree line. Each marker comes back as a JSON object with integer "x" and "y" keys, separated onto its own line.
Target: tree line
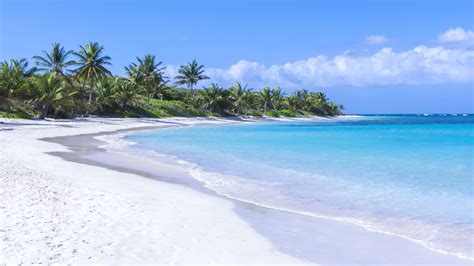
{"x": 66, "y": 83}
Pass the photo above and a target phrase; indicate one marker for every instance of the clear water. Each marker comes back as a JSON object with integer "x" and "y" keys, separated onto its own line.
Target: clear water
{"x": 406, "y": 175}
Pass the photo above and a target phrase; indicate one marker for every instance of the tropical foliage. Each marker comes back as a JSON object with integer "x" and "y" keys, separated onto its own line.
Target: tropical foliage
{"x": 56, "y": 61}
{"x": 191, "y": 74}
{"x": 51, "y": 95}
{"x": 66, "y": 83}
{"x": 148, "y": 75}
{"x": 13, "y": 75}
{"x": 92, "y": 65}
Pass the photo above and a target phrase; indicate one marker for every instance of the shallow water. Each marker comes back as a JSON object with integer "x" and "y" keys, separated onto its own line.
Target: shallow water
{"x": 406, "y": 175}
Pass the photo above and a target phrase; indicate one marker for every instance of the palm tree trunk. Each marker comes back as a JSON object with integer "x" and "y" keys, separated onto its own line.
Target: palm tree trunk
{"x": 7, "y": 100}
{"x": 90, "y": 91}
{"x": 83, "y": 90}
{"x": 89, "y": 107}
{"x": 192, "y": 95}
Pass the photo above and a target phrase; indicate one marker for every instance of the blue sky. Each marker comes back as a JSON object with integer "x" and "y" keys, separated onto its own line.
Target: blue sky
{"x": 372, "y": 56}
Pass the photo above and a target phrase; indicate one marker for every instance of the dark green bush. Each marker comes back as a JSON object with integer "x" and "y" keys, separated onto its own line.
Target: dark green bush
{"x": 254, "y": 113}
{"x": 287, "y": 113}
{"x": 272, "y": 113}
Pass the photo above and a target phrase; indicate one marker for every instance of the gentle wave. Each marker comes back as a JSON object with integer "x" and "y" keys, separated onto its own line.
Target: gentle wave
{"x": 208, "y": 179}
{"x": 114, "y": 141}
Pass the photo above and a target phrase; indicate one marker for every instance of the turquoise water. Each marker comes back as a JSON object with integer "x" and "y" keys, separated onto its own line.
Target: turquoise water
{"x": 405, "y": 175}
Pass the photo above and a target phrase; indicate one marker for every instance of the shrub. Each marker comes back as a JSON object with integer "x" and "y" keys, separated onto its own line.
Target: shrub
{"x": 174, "y": 108}
{"x": 272, "y": 113}
{"x": 254, "y": 113}
{"x": 287, "y": 113}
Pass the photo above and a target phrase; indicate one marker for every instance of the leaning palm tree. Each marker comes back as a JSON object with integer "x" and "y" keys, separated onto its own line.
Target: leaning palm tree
{"x": 56, "y": 61}
{"x": 92, "y": 65}
{"x": 191, "y": 74}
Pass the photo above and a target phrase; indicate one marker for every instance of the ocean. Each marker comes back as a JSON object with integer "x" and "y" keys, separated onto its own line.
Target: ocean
{"x": 406, "y": 175}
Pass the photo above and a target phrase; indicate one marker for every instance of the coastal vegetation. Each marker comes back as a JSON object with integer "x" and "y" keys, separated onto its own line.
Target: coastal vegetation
{"x": 65, "y": 83}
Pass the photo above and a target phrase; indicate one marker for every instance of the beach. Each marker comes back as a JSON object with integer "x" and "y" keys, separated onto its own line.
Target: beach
{"x": 66, "y": 200}
{"x": 56, "y": 211}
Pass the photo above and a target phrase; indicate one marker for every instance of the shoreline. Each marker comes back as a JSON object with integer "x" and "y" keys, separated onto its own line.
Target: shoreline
{"x": 260, "y": 217}
{"x": 243, "y": 203}
{"x": 58, "y": 211}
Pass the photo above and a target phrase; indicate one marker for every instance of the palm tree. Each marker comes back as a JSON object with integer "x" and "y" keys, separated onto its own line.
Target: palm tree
{"x": 126, "y": 91}
{"x": 322, "y": 96}
{"x": 92, "y": 65}
{"x": 133, "y": 73}
{"x": 265, "y": 96}
{"x": 191, "y": 74}
{"x": 294, "y": 102}
{"x": 50, "y": 94}
{"x": 297, "y": 100}
{"x": 241, "y": 98}
{"x": 12, "y": 76}
{"x": 302, "y": 94}
{"x": 317, "y": 102}
{"x": 147, "y": 73}
{"x": 277, "y": 97}
{"x": 334, "y": 109}
{"x": 56, "y": 61}
{"x": 106, "y": 93}
{"x": 212, "y": 98}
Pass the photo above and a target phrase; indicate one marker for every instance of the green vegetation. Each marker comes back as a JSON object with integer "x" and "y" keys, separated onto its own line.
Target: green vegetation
{"x": 68, "y": 84}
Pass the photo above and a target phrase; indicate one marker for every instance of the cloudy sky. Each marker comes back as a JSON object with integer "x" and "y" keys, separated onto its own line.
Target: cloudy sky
{"x": 372, "y": 56}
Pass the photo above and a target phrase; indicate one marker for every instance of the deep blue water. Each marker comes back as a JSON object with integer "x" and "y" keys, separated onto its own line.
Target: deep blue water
{"x": 407, "y": 175}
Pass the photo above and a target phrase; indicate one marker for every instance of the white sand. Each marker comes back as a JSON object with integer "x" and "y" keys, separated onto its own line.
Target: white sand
{"x": 55, "y": 211}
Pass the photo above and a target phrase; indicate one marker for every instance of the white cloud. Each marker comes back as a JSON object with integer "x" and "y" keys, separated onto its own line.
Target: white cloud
{"x": 375, "y": 39}
{"x": 456, "y": 35}
{"x": 421, "y": 65}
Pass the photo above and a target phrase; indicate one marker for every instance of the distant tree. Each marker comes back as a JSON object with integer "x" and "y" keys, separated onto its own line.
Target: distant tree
{"x": 241, "y": 98}
{"x": 265, "y": 97}
{"x": 277, "y": 97}
{"x": 92, "y": 65}
{"x": 107, "y": 95}
{"x": 56, "y": 61}
{"x": 13, "y": 74}
{"x": 294, "y": 103}
{"x": 126, "y": 92}
{"x": 213, "y": 98}
{"x": 191, "y": 74}
{"x": 302, "y": 96}
{"x": 319, "y": 104}
{"x": 50, "y": 94}
{"x": 297, "y": 100}
{"x": 148, "y": 74}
